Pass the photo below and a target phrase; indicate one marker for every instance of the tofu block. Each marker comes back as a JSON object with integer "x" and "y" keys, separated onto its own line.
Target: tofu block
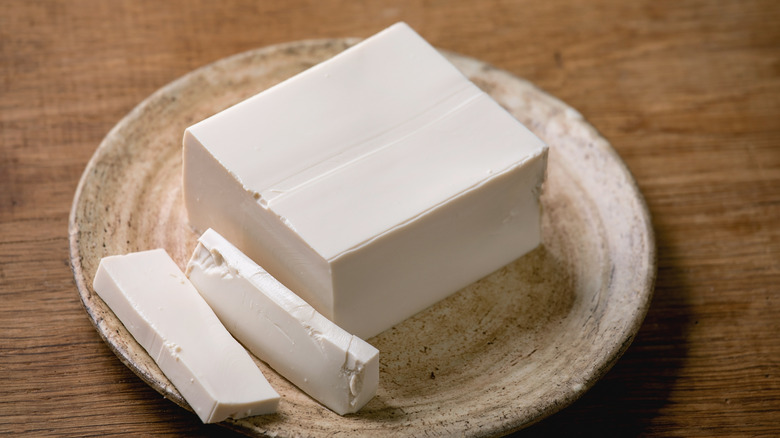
{"x": 373, "y": 184}
{"x": 162, "y": 310}
{"x": 338, "y": 369}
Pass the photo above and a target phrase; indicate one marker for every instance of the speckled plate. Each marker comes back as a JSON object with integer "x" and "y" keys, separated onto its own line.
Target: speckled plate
{"x": 495, "y": 357}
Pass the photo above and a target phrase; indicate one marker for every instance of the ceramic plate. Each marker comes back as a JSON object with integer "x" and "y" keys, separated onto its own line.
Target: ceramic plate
{"x": 495, "y": 357}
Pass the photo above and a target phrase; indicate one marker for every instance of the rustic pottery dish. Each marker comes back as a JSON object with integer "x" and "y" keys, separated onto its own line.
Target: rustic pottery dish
{"x": 495, "y": 357}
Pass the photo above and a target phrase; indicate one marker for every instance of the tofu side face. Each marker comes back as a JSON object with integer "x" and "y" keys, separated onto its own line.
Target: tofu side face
{"x": 215, "y": 198}
{"x": 447, "y": 249}
{"x": 382, "y": 172}
{"x": 166, "y": 315}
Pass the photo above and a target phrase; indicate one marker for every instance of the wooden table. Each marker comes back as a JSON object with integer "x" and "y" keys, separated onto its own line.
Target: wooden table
{"x": 688, "y": 92}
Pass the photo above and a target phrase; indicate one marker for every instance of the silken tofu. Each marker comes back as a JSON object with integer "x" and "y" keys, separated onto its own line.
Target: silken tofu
{"x": 166, "y": 315}
{"x": 373, "y": 184}
{"x": 334, "y": 367}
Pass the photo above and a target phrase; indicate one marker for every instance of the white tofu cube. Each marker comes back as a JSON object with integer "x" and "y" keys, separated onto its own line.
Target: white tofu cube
{"x": 373, "y": 184}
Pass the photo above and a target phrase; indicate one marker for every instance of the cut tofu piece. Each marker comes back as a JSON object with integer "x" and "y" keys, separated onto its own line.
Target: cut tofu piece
{"x": 162, "y": 310}
{"x": 373, "y": 184}
{"x": 338, "y": 369}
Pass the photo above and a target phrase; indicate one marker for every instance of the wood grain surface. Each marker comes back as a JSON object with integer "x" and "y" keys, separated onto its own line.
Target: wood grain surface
{"x": 688, "y": 92}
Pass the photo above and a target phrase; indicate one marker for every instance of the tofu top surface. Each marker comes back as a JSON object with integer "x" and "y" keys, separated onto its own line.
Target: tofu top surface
{"x": 366, "y": 141}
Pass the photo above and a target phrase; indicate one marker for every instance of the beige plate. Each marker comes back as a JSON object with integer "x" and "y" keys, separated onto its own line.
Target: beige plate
{"x": 495, "y": 357}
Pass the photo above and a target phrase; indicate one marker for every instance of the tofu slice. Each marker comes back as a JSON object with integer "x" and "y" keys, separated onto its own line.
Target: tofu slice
{"x": 338, "y": 369}
{"x": 166, "y": 315}
{"x": 373, "y": 184}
